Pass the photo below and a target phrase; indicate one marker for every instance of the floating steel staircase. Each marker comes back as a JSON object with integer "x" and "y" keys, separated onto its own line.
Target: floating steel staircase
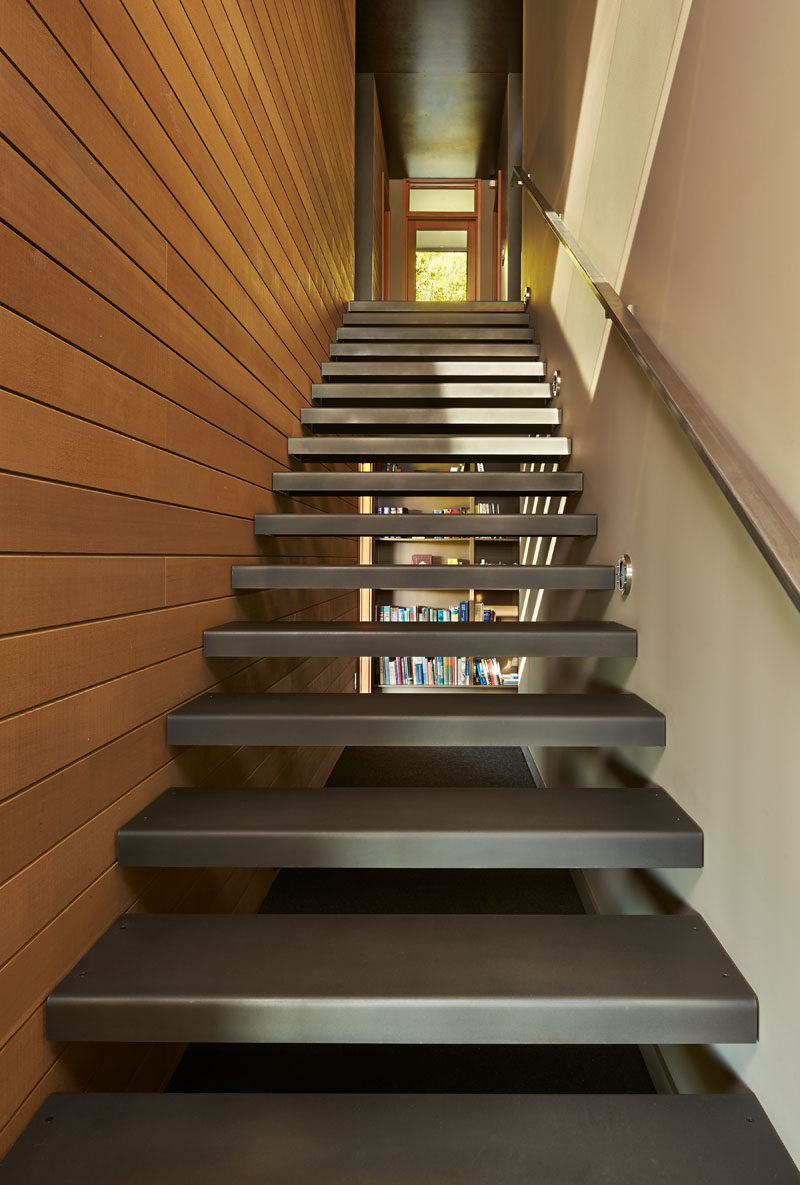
{"x": 412, "y": 383}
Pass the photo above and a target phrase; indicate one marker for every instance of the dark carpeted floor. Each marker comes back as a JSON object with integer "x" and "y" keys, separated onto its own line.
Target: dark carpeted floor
{"x": 384, "y": 1068}
{"x": 411, "y": 766}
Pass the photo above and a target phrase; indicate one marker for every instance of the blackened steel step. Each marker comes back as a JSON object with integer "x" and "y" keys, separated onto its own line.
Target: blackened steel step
{"x": 345, "y": 639}
{"x": 428, "y": 448}
{"x": 443, "y": 306}
{"x": 427, "y": 481}
{"x": 443, "y": 717}
{"x": 433, "y": 394}
{"x": 386, "y": 1139}
{"x": 405, "y": 978}
{"x": 425, "y": 419}
{"x": 411, "y": 827}
{"x": 406, "y": 351}
{"x": 456, "y": 333}
{"x": 444, "y": 368}
{"x": 420, "y": 576}
{"x": 430, "y": 525}
{"x": 440, "y": 319}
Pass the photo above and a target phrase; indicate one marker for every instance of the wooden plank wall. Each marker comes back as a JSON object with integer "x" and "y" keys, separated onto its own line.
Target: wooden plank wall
{"x": 176, "y": 183}
{"x": 379, "y": 169}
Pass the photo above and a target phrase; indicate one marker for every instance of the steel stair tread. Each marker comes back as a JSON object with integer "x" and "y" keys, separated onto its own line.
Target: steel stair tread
{"x": 432, "y": 392}
{"x": 411, "y": 448}
{"x": 454, "y": 333}
{"x": 408, "y": 351}
{"x": 445, "y": 718}
{"x": 430, "y": 525}
{"x": 427, "y": 482}
{"x": 411, "y": 827}
{"x": 400, "y": 978}
{"x": 456, "y": 1139}
{"x": 440, "y": 306}
{"x": 579, "y": 639}
{"x": 420, "y": 576}
{"x": 442, "y": 368}
{"x": 420, "y": 418}
{"x": 441, "y": 319}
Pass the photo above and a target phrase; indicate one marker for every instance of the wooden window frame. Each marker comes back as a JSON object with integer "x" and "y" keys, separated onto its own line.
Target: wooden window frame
{"x": 458, "y": 219}
{"x": 415, "y": 224}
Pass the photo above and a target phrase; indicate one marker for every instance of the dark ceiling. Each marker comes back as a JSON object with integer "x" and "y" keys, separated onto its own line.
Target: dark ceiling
{"x": 440, "y": 69}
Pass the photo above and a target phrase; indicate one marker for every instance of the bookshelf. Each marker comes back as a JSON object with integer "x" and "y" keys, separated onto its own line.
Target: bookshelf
{"x": 432, "y": 673}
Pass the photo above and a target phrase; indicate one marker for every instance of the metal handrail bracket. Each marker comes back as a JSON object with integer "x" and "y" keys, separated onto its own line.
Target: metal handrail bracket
{"x": 771, "y": 524}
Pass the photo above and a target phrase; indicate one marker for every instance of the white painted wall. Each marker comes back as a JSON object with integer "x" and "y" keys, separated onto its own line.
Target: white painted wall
{"x": 666, "y": 131}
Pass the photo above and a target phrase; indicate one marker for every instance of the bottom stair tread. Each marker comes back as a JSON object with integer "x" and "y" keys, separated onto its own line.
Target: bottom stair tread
{"x": 340, "y": 1139}
{"x": 444, "y": 978}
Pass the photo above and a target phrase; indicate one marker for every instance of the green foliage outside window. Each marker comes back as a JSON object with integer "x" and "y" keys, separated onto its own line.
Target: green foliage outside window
{"x": 441, "y": 275}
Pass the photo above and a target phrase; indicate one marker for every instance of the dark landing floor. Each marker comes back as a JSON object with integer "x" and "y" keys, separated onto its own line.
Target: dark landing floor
{"x": 409, "y": 766}
{"x": 403, "y": 1068}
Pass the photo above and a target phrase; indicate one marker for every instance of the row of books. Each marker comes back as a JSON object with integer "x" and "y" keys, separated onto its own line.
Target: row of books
{"x": 459, "y": 612}
{"x": 442, "y": 671}
{"x": 406, "y": 510}
{"x": 480, "y": 508}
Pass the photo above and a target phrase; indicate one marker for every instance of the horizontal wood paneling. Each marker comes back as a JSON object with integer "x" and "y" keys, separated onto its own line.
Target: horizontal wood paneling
{"x": 51, "y": 663}
{"x": 176, "y": 182}
{"x": 49, "y": 517}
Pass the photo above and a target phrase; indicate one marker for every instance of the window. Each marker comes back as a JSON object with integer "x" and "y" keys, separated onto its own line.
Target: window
{"x": 440, "y": 223}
